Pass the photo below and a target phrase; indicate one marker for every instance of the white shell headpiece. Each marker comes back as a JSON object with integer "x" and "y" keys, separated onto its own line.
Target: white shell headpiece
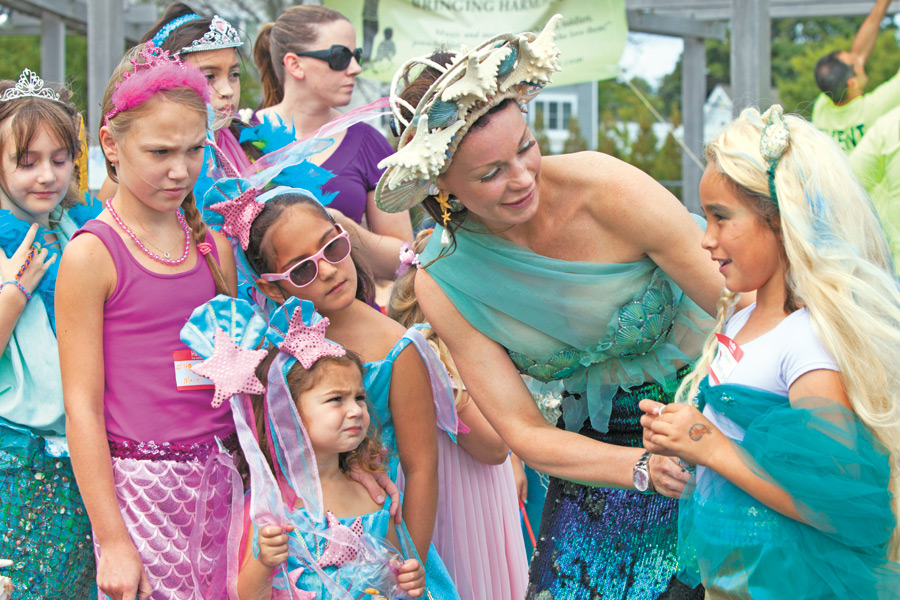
{"x": 507, "y": 66}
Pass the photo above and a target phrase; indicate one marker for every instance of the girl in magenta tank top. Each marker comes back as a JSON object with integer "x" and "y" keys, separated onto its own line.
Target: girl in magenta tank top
{"x": 151, "y": 454}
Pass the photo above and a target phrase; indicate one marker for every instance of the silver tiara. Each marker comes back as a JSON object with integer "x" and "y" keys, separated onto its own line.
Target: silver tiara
{"x": 29, "y": 85}
{"x": 220, "y": 35}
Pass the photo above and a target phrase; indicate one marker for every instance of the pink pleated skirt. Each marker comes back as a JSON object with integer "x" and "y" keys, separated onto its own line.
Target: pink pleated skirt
{"x": 182, "y": 507}
{"x": 477, "y": 530}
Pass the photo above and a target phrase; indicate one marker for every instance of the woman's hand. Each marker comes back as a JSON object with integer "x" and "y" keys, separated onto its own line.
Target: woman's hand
{"x": 273, "y": 545}
{"x": 120, "y": 573}
{"x": 15, "y": 268}
{"x": 411, "y": 577}
{"x": 379, "y": 484}
{"x": 667, "y": 475}
{"x": 680, "y": 430}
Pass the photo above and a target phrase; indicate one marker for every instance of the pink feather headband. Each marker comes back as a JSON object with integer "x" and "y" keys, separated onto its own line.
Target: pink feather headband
{"x": 156, "y": 73}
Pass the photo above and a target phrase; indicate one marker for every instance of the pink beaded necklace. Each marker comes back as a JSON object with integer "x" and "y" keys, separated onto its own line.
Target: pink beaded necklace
{"x": 164, "y": 260}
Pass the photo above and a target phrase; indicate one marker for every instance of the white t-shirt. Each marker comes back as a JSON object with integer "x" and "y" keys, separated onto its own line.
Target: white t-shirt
{"x": 773, "y": 361}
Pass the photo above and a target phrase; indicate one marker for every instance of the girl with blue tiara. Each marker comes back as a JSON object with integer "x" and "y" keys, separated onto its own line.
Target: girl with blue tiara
{"x": 791, "y": 414}
{"x": 44, "y": 529}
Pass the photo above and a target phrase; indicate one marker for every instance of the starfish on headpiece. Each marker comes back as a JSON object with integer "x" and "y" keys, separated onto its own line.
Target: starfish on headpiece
{"x": 343, "y": 542}
{"x": 239, "y": 212}
{"x": 423, "y": 156}
{"x": 231, "y": 368}
{"x": 307, "y": 343}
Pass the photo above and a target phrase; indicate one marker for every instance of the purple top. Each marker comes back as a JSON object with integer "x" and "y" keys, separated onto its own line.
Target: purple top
{"x": 142, "y": 322}
{"x": 355, "y": 166}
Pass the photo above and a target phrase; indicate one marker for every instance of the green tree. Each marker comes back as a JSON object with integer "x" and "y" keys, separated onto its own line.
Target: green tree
{"x": 643, "y": 151}
{"x": 575, "y": 141}
{"x": 18, "y": 52}
{"x": 612, "y": 137}
{"x": 540, "y": 133}
{"x": 666, "y": 164}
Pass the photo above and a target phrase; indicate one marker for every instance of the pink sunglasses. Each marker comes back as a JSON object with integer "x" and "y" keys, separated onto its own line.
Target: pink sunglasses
{"x": 305, "y": 271}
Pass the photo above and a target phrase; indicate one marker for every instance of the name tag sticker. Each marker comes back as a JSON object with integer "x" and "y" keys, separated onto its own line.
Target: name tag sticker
{"x": 185, "y": 378}
{"x": 728, "y": 356}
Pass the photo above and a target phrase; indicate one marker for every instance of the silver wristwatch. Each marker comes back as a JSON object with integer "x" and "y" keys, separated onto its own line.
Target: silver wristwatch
{"x": 641, "y": 475}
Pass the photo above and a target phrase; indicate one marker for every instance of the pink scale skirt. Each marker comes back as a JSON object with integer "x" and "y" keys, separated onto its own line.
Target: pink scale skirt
{"x": 182, "y": 505}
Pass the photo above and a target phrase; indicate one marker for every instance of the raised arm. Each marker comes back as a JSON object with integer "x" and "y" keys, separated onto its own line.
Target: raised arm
{"x": 508, "y": 406}
{"x": 86, "y": 279}
{"x": 415, "y": 426}
{"x": 864, "y": 42}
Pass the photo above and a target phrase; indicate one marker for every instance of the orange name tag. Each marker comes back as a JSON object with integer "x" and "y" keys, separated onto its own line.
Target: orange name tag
{"x": 185, "y": 378}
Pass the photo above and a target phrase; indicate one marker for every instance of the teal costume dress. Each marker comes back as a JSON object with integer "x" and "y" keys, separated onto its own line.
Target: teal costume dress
{"x": 609, "y": 335}
{"x": 837, "y": 475}
{"x": 44, "y": 528}
{"x": 377, "y": 381}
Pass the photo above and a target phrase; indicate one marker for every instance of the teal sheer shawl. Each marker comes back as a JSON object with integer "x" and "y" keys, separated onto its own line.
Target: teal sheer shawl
{"x": 597, "y": 327}
{"x": 836, "y": 473}
{"x": 30, "y": 382}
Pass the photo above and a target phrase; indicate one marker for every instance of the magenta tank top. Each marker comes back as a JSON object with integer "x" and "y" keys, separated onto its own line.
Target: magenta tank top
{"x": 142, "y": 323}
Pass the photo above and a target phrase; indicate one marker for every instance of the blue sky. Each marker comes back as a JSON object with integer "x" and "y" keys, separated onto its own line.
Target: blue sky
{"x": 650, "y": 56}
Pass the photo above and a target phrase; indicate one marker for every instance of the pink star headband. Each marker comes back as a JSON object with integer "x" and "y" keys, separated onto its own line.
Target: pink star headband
{"x": 156, "y": 72}
{"x": 307, "y": 343}
{"x": 238, "y": 211}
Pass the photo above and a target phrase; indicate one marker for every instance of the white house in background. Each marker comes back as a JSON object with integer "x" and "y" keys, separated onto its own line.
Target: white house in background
{"x": 559, "y": 104}
{"x": 719, "y": 110}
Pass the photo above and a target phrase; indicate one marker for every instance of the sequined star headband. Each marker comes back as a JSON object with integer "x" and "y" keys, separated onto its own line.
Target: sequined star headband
{"x": 29, "y": 86}
{"x": 155, "y": 71}
{"x": 774, "y": 141}
{"x": 302, "y": 334}
{"x": 507, "y": 66}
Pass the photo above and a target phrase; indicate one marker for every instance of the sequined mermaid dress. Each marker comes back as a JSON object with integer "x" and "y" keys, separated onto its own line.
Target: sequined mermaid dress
{"x": 605, "y": 335}
{"x": 44, "y": 528}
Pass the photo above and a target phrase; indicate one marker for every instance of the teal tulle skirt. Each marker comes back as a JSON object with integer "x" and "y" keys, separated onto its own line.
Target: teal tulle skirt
{"x": 837, "y": 474}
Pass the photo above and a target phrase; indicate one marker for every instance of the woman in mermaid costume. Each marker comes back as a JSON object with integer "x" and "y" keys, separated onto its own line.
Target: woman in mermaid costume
{"x": 794, "y": 495}
{"x": 579, "y": 271}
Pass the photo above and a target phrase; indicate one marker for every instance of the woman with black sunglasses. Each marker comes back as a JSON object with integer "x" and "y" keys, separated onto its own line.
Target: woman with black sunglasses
{"x": 308, "y": 62}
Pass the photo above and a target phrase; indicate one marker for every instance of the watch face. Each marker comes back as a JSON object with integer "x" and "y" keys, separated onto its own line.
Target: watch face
{"x": 641, "y": 480}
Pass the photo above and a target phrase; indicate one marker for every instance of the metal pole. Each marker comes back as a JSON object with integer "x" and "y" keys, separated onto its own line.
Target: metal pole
{"x": 53, "y": 48}
{"x": 693, "y": 95}
{"x": 750, "y": 53}
{"x": 106, "y": 45}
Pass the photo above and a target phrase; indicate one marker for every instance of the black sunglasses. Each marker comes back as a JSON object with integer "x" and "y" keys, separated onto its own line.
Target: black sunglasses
{"x": 338, "y": 57}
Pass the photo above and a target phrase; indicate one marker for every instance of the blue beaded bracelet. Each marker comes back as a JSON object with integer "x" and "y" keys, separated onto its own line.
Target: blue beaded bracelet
{"x": 18, "y": 285}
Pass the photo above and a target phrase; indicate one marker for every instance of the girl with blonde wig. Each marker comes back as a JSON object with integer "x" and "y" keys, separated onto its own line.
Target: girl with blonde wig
{"x": 791, "y": 412}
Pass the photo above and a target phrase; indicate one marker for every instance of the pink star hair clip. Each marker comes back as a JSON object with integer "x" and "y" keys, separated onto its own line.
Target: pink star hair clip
{"x": 227, "y": 333}
{"x": 307, "y": 343}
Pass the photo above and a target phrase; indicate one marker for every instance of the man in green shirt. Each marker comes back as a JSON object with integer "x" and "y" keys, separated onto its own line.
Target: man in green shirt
{"x": 843, "y": 109}
{"x": 876, "y": 161}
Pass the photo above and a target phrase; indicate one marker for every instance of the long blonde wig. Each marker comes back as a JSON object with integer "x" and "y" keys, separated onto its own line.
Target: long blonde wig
{"x": 838, "y": 264}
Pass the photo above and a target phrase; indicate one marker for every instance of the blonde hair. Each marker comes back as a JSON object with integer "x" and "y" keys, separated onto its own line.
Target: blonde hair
{"x": 404, "y": 308}
{"x": 191, "y": 101}
{"x": 838, "y": 264}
